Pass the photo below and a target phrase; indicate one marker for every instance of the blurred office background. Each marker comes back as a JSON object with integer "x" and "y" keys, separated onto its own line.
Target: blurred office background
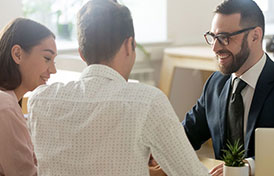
{"x": 159, "y": 24}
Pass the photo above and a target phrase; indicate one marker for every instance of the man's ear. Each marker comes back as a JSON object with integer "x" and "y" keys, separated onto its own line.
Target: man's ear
{"x": 81, "y": 55}
{"x": 16, "y": 54}
{"x": 257, "y": 34}
{"x": 130, "y": 45}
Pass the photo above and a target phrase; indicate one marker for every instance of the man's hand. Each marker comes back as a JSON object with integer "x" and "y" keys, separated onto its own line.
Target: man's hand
{"x": 217, "y": 171}
{"x": 156, "y": 171}
{"x": 154, "y": 168}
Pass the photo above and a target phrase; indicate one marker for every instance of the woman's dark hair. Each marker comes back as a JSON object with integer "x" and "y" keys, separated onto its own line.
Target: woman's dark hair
{"x": 25, "y": 33}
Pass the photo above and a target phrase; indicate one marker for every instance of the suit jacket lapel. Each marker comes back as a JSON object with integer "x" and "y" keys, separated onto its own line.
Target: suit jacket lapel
{"x": 224, "y": 97}
{"x": 264, "y": 85}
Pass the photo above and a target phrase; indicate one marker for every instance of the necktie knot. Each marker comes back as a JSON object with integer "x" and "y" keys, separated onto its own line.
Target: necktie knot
{"x": 241, "y": 85}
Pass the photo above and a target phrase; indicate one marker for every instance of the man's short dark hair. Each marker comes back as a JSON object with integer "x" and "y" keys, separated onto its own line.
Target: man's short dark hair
{"x": 103, "y": 25}
{"x": 251, "y": 14}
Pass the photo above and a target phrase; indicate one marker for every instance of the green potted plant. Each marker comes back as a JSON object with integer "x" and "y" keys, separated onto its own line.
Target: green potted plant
{"x": 64, "y": 29}
{"x": 234, "y": 160}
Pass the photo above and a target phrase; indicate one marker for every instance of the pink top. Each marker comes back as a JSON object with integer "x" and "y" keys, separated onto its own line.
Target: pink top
{"x": 17, "y": 156}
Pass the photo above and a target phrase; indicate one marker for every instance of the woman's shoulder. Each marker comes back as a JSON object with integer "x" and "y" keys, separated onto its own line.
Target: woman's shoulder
{"x": 7, "y": 99}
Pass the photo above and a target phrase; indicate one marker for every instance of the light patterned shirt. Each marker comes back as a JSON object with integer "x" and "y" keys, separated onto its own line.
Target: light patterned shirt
{"x": 102, "y": 125}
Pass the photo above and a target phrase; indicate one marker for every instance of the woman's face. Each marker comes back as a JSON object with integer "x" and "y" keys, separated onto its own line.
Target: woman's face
{"x": 37, "y": 64}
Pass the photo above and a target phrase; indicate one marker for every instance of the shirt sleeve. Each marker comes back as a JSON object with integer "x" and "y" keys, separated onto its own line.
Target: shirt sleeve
{"x": 16, "y": 152}
{"x": 251, "y": 163}
{"x": 166, "y": 138}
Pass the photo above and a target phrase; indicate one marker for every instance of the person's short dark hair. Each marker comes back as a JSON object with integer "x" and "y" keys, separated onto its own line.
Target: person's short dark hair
{"x": 25, "y": 33}
{"x": 251, "y": 14}
{"x": 103, "y": 26}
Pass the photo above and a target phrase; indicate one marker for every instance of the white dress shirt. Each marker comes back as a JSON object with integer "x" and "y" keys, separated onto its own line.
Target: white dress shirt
{"x": 250, "y": 77}
{"x": 102, "y": 125}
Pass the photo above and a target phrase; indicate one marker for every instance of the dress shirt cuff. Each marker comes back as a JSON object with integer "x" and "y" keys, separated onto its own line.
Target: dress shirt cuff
{"x": 251, "y": 163}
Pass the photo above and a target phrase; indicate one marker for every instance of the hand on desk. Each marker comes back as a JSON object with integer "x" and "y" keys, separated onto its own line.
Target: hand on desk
{"x": 156, "y": 171}
{"x": 217, "y": 171}
{"x": 154, "y": 168}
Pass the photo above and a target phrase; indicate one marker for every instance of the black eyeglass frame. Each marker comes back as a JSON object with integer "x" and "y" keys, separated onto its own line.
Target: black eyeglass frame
{"x": 225, "y": 35}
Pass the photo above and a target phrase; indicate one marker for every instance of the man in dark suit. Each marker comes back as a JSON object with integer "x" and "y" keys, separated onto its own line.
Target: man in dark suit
{"x": 236, "y": 38}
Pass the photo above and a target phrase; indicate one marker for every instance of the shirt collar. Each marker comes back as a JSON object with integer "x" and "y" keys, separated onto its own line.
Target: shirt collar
{"x": 251, "y": 76}
{"x": 102, "y": 71}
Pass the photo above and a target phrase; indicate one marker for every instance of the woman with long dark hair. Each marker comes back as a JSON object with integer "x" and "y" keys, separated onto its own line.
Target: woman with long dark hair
{"x": 27, "y": 52}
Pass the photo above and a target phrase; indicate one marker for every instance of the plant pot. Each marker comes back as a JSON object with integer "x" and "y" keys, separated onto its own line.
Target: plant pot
{"x": 236, "y": 171}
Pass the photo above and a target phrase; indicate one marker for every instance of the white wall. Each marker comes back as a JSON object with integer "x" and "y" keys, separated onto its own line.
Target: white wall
{"x": 189, "y": 20}
{"x": 9, "y": 9}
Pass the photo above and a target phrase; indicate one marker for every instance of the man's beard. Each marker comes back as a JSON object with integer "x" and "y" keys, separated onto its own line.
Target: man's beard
{"x": 237, "y": 60}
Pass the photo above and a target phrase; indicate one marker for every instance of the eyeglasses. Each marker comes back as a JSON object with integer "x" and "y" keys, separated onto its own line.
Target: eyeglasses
{"x": 223, "y": 38}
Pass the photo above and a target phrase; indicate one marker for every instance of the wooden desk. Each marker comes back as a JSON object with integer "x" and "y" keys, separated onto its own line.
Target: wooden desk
{"x": 193, "y": 57}
{"x": 210, "y": 163}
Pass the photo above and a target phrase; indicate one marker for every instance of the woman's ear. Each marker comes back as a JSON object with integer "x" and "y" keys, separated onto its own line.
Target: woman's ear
{"x": 16, "y": 53}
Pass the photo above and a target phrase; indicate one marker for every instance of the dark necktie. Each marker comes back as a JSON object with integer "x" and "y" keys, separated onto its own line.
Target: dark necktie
{"x": 235, "y": 113}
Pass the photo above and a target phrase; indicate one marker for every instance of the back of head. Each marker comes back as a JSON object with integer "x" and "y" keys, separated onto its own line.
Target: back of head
{"x": 103, "y": 25}
{"x": 251, "y": 14}
{"x": 23, "y": 32}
